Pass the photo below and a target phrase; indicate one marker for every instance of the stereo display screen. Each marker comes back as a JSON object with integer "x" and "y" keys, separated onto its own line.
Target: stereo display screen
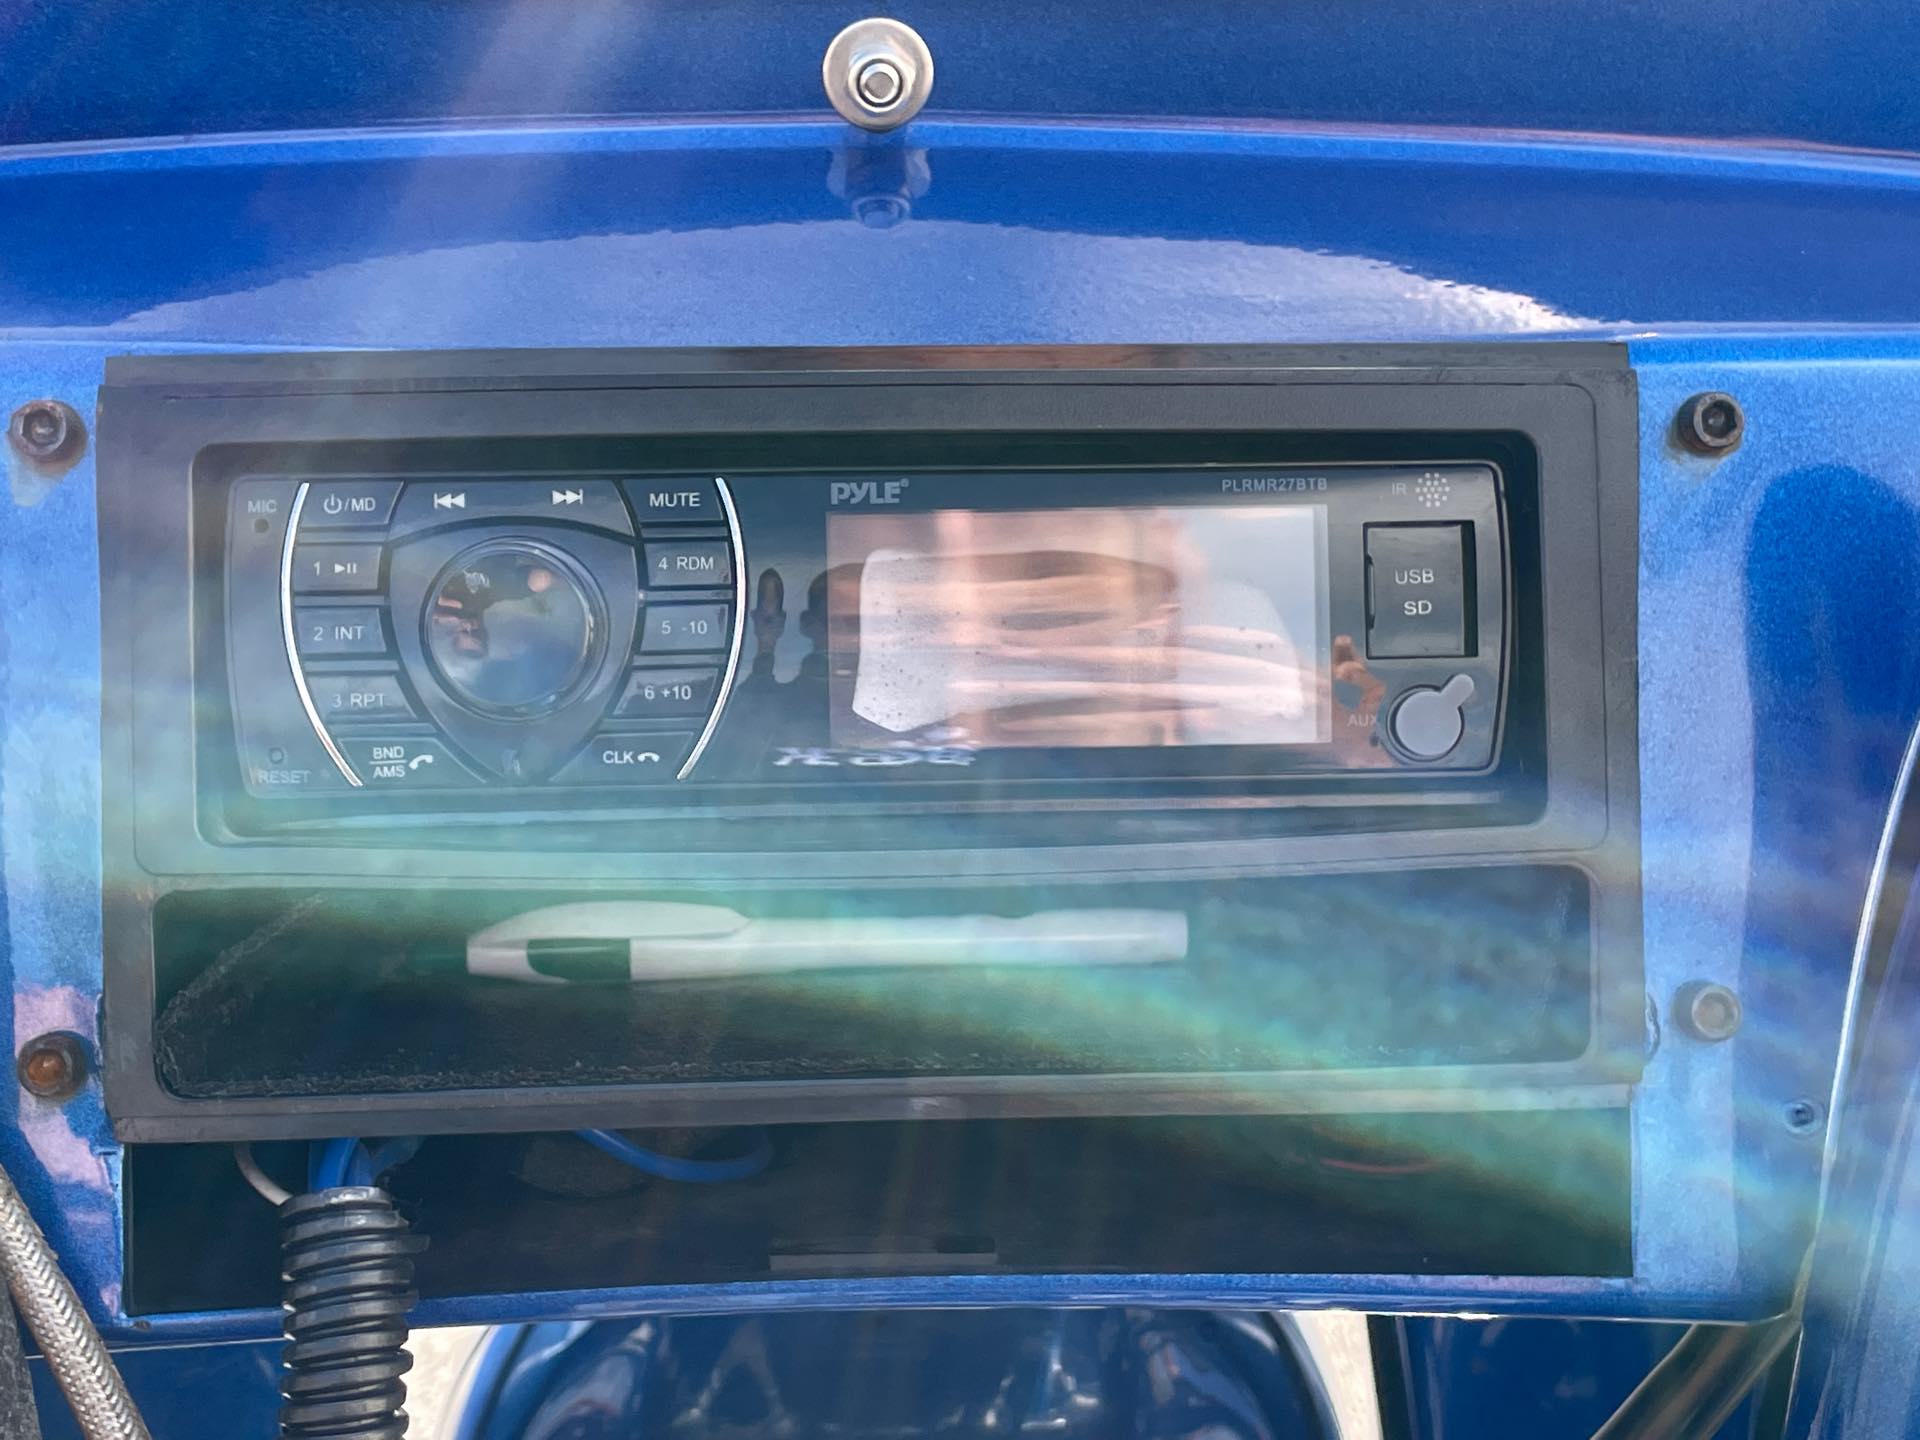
{"x": 1140, "y": 626}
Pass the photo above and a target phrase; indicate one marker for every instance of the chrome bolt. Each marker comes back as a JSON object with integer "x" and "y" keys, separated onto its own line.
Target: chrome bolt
{"x": 878, "y": 73}
{"x": 880, "y": 84}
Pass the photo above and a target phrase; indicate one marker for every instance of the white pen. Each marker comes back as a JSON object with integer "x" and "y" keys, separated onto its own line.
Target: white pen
{"x": 640, "y": 941}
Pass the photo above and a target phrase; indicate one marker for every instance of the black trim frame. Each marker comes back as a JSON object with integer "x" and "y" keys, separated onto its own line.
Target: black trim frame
{"x": 1575, "y": 404}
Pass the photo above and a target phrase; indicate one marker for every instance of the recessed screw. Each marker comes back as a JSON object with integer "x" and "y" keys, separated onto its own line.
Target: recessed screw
{"x": 46, "y": 432}
{"x": 1710, "y": 423}
{"x": 880, "y": 84}
{"x": 1707, "y": 1011}
{"x": 53, "y": 1066}
{"x": 1803, "y": 1116}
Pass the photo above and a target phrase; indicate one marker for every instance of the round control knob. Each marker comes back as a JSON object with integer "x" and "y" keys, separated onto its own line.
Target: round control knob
{"x": 1427, "y": 723}
{"x": 513, "y": 628}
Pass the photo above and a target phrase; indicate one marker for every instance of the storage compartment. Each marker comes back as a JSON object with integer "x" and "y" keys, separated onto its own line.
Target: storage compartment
{"x": 287, "y": 995}
{"x": 1523, "y": 1193}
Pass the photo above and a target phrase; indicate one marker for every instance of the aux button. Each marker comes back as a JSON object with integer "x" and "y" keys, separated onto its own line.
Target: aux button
{"x": 1427, "y": 723}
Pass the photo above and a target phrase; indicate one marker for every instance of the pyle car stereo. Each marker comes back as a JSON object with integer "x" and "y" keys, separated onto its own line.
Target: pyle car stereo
{"x": 440, "y": 632}
{"x": 866, "y": 735}
{"x": 872, "y": 603}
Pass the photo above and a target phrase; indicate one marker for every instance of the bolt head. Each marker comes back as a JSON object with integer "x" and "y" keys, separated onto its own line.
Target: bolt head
{"x": 1710, "y": 423}
{"x": 52, "y": 1066}
{"x": 1707, "y": 1011}
{"x": 880, "y": 84}
{"x": 877, "y": 73}
{"x": 45, "y": 431}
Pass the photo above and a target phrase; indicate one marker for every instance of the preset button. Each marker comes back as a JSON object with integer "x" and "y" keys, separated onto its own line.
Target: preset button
{"x": 667, "y": 629}
{"x": 690, "y": 562}
{"x": 667, "y": 694}
{"x": 340, "y": 569}
{"x": 339, "y": 630}
{"x": 343, "y": 697}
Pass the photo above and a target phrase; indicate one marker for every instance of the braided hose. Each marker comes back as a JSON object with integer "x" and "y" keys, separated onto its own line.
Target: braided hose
{"x": 75, "y": 1352}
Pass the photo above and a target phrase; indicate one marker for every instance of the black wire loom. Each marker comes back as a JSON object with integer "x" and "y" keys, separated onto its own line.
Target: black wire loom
{"x": 346, "y": 1260}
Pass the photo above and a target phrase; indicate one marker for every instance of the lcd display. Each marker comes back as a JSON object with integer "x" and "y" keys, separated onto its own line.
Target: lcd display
{"x": 1139, "y": 626}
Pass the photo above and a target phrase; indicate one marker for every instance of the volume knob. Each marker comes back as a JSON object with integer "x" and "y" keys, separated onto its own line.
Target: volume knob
{"x": 513, "y": 629}
{"x": 1427, "y": 723}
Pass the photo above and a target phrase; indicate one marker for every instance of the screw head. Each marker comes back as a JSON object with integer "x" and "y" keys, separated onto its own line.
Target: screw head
{"x": 1707, "y": 1011}
{"x": 880, "y": 84}
{"x": 1804, "y": 1116}
{"x": 878, "y": 73}
{"x": 1710, "y": 423}
{"x": 46, "y": 431}
{"x": 52, "y": 1066}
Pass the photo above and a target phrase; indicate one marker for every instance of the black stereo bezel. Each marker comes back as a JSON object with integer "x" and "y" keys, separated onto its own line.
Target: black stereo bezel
{"x": 1569, "y": 795}
{"x": 755, "y": 724}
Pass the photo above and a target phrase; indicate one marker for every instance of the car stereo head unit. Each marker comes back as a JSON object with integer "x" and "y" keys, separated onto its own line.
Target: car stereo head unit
{"x": 865, "y": 735}
{"x": 400, "y": 636}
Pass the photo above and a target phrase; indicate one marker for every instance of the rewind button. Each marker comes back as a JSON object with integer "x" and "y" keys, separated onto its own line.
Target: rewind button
{"x": 429, "y": 504}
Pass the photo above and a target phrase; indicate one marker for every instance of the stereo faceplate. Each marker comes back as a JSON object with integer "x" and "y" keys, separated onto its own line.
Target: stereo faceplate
{"x": 1064, "y": 627}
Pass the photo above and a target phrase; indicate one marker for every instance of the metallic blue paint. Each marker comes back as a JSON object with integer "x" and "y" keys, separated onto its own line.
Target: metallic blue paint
{"x": 1773, "y": 688}
{"x": 1525, "y": 1379}
{"x": 1856, "y": 1378}
{"x": 180, "y": 1390}
{"x": 1151, "y": 1375}
{"x": 688, "y": 234}
{"x": 1741, "y": 68}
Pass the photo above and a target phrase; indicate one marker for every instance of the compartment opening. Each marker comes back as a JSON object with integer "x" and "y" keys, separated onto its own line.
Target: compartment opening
{"x": 1539, "y": 1193}
{"x": 267, "y": 993}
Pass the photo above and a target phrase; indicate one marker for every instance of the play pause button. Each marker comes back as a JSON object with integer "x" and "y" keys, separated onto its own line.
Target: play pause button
{"x": 336, "y": 569}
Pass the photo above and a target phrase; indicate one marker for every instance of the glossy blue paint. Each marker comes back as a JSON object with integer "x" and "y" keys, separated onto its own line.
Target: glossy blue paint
{"x": 1748, "y": 68}
{"x": 679, "y": 234}
{"x": 1768, "y": 740}
{"x": 1856, "y": 1378}
{"x": 1777, "y": 687}
{"x": 180, "y": 1391}
{"x": 1524, "y": 1379}
{"x": 1151, "y": 1375}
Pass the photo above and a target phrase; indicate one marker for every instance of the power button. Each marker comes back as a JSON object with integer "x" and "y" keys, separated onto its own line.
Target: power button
{"x": 335, "y": 503}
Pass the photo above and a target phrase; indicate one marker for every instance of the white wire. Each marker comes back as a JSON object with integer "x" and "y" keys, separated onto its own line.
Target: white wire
{"x": 263, "y": 1183}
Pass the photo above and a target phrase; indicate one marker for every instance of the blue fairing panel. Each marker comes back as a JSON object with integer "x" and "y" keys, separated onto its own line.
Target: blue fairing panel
{"x": 1709, "y": 68}
{"x": 373, "y": 181}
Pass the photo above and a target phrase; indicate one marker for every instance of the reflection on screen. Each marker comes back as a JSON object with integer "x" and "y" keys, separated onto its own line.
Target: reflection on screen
{"x": 1147, "y": 626}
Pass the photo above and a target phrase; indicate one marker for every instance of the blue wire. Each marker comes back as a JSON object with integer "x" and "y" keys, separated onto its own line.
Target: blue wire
{"x": 673, "y": 1167}
{"x": 333, "y": 1163}
{"x": 348, "y": 1161}
{"x": 389, "y": 1155}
